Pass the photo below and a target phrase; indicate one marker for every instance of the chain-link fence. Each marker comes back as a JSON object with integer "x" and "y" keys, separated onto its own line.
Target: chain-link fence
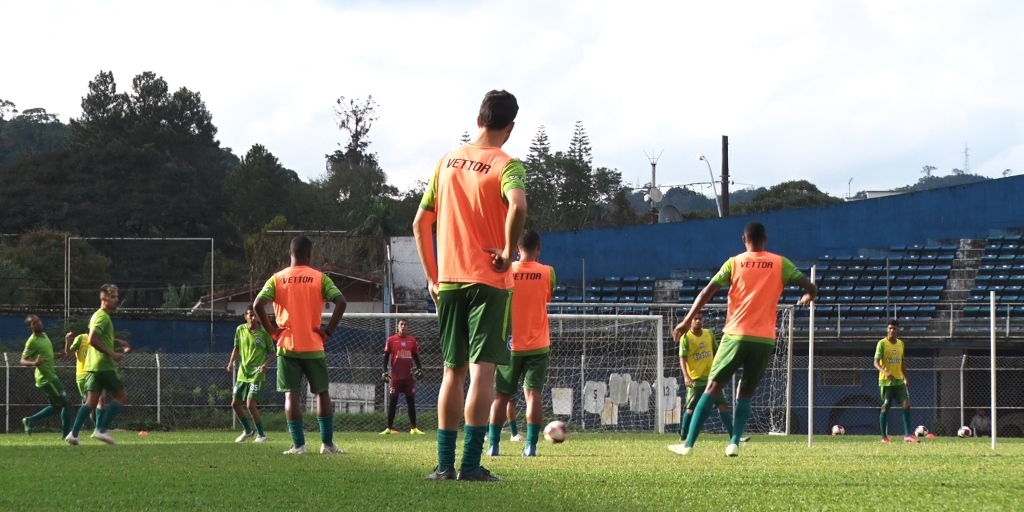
{"x": 945, "y": 393}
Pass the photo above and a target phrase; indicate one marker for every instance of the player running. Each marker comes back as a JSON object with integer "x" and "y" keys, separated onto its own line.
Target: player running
{"x": 38, "y": 354}
{"x": 402, "y": 350}
{"x": 697, "y": 349}
{"x": 477, "y": 199}
{"x": 530, "y": 343}
{"x": 102, "y": 372}
{"x": 299, "y": 294}
{"x": 78, "y": 347}
{"x": 892, "y": 381}
{"x": 255, "y": 349}
{"x": 756, "y": 279}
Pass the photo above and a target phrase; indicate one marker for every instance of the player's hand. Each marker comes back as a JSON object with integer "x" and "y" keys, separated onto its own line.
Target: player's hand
{"x": 417, "y": 373}
{"x": 262, "y": 369}
{"x": 500, "y": 260}
{"x": 688, "y": 381}
{"x": 39, "y": 362}
{"x": 680, "y": 330}
{"x": 275, "y": 332}
{"x": 117, "y": 357}
{"x": 384, "y": 377}
{"x": 69, "y": 336}
{"x": 432, "y": 289}
{"x": 126, "y": 348}
{"x": 230, "y": 366}
{"x": 805, "y": 300}
{"x": 322, "y": 332}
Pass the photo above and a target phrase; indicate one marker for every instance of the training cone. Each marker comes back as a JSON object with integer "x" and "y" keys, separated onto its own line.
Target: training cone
{"x": 143, "y": 433}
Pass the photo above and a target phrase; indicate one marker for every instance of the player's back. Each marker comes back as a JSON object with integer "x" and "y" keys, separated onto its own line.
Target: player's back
{"x": 471, "y": 209}
{"x": 531, "y": 292}
{"x": 298, "y": 303}
{"x": 81, "y": 347}
{"x": 755, "y": 287}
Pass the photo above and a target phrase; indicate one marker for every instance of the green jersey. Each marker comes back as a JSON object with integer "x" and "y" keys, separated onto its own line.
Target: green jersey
{"x": 253, "y": 348}
{"x": 38, "y": 345}
{"x": 101, "y": 325}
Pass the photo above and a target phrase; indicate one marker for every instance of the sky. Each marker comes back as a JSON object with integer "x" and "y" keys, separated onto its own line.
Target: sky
{"x": 849, "y": 95}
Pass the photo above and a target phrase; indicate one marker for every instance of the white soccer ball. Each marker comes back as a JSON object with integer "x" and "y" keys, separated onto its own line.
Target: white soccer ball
{"x": 556, "y": 432}
{"x": 964, "y": 431}
{"x": 838, "y": 430}
{"x": 921, "y": 431}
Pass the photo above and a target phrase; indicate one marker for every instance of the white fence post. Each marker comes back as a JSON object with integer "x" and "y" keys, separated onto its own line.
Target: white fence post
{"x": 992, "y": 362}
{"x": 158, "y": 389}
{"x": 660, "y": 402}
{"x": 7, "y": 399}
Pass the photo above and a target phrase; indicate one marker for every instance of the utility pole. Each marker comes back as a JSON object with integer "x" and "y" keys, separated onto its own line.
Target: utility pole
{"x": 725, "y": 176}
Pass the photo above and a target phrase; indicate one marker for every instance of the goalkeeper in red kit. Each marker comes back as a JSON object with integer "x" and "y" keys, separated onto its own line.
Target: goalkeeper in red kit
{"x": 401, "y": 350}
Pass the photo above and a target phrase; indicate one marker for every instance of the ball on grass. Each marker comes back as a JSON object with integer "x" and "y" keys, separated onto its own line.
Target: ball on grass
{"x": 556, "y": 432}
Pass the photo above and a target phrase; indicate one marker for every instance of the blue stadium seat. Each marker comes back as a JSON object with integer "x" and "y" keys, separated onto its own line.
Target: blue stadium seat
{"x": 558, "y": 298}
{"x": 627, "y": 298}
{"x": 628, "y": 289}
{"x": 612, "y": 279}
{"x": 593, "y": 298}
{"x": 630, "y": 279}
{"x": 610, "y": 298}
{"x": 575, "y": 298}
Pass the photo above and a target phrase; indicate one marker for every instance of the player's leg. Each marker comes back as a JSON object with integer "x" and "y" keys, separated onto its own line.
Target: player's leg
{"x": 392, "y": 408}
{"x": 534, "y": 376}
{"x": 43, "y": 413}
{"x": 319, "y": 379}
{"x": 112, "y": 382}
{"x": 693, "y": 394}
{"x": 452, "y": 320}
{"x": 93, "y": 389}
{"x": 238, "y": 394}
{"x": 904, "y": 397}
{"x": 252, "y": 404}
{"x": 97, "y": 415}
{"x": 883, "y": 415}
{"x": 510, "y": 418}
{"x": 410, "y": 404}
{"x": 755, "y": 357}
{"x": 289, "y": 382}
{"x": 727, "y": 361}
{"x": 488, "y": 348}
{"x": 80, "y": 381}
{"x": 505, "y": 378}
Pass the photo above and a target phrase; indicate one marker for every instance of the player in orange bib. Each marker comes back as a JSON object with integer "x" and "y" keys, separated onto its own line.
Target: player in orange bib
{"x": 477, "y": 198}
{"x": 530, "y": 344}
{"x": 755, "y": 280}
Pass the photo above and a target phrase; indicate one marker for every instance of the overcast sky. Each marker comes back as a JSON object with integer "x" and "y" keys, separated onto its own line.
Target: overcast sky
{"x": 818, "y": 90}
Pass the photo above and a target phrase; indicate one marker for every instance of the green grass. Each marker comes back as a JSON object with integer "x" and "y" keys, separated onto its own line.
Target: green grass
{"x": 614, "y": 472}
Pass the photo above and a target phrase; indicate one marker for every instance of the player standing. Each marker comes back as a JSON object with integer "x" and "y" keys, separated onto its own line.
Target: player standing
{"x": 697, "y": 350}
{"x": 299, "y": 294}
{"x": 101, "y": 366}
{"x": 254, "y": 347}
{"x": 477, "y": 198}
{"x": 530, "y": 344}
{"x": 892, "y": 381}
{"x": 402, "y": 350}
{"x": 756, "y": 279}
{"x": 38, "y": 354}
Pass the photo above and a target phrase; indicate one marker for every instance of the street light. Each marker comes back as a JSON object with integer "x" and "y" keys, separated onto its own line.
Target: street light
{"x": 700, "y": 156}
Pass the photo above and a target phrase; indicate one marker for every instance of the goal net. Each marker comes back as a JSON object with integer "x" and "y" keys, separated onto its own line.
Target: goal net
{"x": 603, "y": 371}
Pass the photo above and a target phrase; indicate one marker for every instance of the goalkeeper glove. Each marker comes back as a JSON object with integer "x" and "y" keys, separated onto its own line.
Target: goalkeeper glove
{"x": 384, "y": 377}
{"x": 417, "y": 372}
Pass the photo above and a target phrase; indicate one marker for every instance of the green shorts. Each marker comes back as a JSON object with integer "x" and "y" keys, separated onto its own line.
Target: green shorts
{"x": 474, "y": 325}
{"x": 246, "y": 391}
{"x": 734, "y": 353}
{"x": 55, "y": 393}
{"x": 80, "y": 380}
{"x": 895, "y": 393}
{"x": 694, "y": 393}
{"x": 107, "y": 380}
{"x": 290, "y": 371}
{"x": 532, "y": 369}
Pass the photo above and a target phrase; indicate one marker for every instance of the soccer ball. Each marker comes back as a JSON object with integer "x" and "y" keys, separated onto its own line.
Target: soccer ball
{"x": 964, "y": 431}
{"x": 556, "y": 432}
{"x": 921, "y": 431}
{"x": 838, "y": 430}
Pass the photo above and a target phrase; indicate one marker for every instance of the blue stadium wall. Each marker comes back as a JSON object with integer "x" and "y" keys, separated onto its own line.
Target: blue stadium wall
{"x": 153, "y": 334}
{"x": 966, "y": 211}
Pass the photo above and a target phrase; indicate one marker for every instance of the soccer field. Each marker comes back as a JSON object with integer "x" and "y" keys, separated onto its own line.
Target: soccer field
{"x": 620, "y": 472}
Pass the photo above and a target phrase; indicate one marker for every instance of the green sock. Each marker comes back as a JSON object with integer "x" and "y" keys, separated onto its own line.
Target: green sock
{"x": 700, "y": 415}
{"x": 472, "y": 448}
{"x": 298, "y": 436}
{"x": 684, "y": 424}
{"x": 906, "y": 422}
{"x": 65, "y": 421}
{"x": 493, "y": 434}
{"x": 83, "y": 414}
{"x": 99, "y": 418}
{"x": 513, "y": 425}
{"x": 883, "y": 423}
{"x": 108, "y": 417}
{"x": 742, "y": 415}
{"x": 532, "y": 433}
{"x": 259, "y": 428}
{"x": 245, "y": 424}
{"x": 446, "y": 440}
{"x": 727, "y": 421}
{"x": 45, "y": 412}
{"x": 326, "y": 429}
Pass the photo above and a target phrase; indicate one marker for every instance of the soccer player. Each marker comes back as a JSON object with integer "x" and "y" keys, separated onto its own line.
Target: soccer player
{"x": 892, "y": 381}
{"x": 298, "y": 294}
{"x": 697, "y": 349}
{"x": 530, "y": 343}
{"x": 477, "y": 199}
{"x": 78, "y": 347}
{"x": 402, "y": 350}
{"x": 756, "y": 279}
{"x": 101, "y": 367}
{"x": 38, "y": 354}
{"x": 256, "y": 351}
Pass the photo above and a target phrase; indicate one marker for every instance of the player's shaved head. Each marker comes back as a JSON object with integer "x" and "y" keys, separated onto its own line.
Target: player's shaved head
{"x": 498, "y": 110}
{"x": 301, "y": 247}
{"x": 530, "y": 240}
{"x": 755, "y": 233}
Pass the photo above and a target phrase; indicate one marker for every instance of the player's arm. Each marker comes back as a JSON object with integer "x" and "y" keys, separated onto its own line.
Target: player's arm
{"x": 879, "y": 354}
{"x": 68, "y": 341}
{"x": 903, "y": 370}
{"x": 422, "y": 230}
{"x": 266, "y": 362}
{"x": 96, "y": 343}
{"x": 29, "y": 352}
{"x": 513, "y": 178}
{"x": 702, "y": 299}
{"x": 265, "y": 297}
{"x": 231, "y": 359}
{"x": 125, "y": 347}
{"x": 792, "y": 275}
{"x": 686, "y": 372}
{"x": 340, "y": 305}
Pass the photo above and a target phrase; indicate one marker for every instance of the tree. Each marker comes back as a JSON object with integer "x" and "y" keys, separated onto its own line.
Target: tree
{"x": 579, "y": 145}
{"x": 353, "y": 174}
{"x": 41, "y": 255}
{"x": 790, "y": 194}
{"x": 7, "y": 108}
{"x": 927, "y": 170}
{"x": 958, "y": 172}
{"x": 178, "y": 298}
{"x": 260, "y": 188}
{"x": 15, "y": 281}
